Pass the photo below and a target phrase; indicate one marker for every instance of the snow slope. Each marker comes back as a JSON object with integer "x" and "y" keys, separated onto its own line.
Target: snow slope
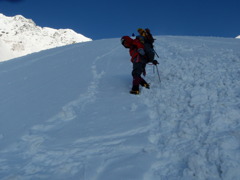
{"x": 20, "y": 36}
{"x": 66, "y": 113}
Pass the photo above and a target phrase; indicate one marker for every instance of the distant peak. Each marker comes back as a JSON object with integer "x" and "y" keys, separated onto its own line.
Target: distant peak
{"x": 21, "y": 36}
{"x": 19, "y": 17}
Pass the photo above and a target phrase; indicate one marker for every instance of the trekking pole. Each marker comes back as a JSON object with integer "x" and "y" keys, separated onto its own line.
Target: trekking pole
{"x": 158, "y": 74}
{"x": 155, "y": 53}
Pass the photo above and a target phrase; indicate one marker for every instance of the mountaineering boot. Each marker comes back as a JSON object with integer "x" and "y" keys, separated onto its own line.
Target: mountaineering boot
{"x": 135, "y": 90}
{"x": 146, "y": 85}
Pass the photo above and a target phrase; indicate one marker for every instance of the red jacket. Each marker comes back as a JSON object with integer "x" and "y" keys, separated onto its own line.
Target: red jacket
{"x": 134, "y": 50}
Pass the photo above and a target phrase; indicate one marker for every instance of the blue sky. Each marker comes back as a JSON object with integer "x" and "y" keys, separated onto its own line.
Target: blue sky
{"x": 101, "y": 19}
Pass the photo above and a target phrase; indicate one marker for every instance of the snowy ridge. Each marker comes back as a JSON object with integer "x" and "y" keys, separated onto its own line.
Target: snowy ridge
{"x": 66, "y": 113}
{"x": 238, "y": 37}
{"x": 20, "y": 36}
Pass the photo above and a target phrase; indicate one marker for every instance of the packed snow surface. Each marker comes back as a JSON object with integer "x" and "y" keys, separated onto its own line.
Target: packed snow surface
{"x": 66, "y": 113}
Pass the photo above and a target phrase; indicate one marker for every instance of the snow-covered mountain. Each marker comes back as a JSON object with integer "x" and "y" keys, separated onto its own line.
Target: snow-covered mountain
{"x": 20, "y": 36}
{"x": 66, "y": 113}
{"x": 238, "y": 37}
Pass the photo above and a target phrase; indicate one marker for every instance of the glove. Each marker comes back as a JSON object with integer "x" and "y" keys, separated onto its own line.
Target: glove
{"x": 141, "y": 51}
{"x": 155, "y": 62}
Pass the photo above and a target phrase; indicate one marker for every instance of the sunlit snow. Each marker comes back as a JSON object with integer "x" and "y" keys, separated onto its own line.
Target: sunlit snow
{"x": 66, "y": 113}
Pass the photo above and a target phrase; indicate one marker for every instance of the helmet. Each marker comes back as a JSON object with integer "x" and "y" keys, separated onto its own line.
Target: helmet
{"x": 140, "y": 30}
{"x": 126, "y": 41}
{"x": 147, "y": 30}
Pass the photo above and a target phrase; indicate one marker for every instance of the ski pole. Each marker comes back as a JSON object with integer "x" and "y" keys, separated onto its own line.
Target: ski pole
{"x": 158, "y": 74}
{"x": 155, "y": 53}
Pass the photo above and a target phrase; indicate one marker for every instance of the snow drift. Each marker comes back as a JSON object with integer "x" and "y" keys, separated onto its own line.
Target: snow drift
{"x": 66, "y": 113}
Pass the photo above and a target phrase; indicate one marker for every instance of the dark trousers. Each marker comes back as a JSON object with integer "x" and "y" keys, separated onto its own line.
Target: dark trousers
{"x": 138, "y": 69}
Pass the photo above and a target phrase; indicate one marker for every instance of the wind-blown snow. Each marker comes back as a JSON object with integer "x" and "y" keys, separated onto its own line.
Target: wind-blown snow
{"x": 66, "y": 113}
{"x": 20, "y": 36}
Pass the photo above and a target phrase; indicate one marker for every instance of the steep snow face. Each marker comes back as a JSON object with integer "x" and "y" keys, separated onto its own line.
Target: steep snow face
{"x": 66, "y": 113}
{"x": 20, "y": 36}
{"x": 238, "y": 37}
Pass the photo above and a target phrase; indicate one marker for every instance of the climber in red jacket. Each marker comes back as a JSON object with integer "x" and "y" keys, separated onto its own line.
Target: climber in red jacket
{"x": 139, "y": 60}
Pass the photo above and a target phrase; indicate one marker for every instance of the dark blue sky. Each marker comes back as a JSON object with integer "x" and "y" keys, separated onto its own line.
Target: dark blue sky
{"x": 100, "y": 19}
